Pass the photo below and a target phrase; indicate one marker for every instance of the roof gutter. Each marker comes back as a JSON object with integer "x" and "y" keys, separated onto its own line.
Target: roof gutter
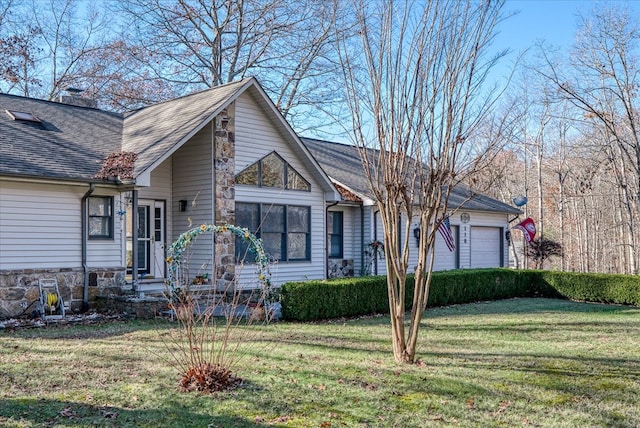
{"x": 85, "y": 227}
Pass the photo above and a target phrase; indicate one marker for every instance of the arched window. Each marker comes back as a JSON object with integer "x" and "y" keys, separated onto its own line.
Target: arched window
{"x": 272, "y": 171}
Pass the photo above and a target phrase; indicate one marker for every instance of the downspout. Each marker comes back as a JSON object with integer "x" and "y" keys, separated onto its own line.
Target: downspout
{"x": 214, "y": 203}
{"x": 134, "y": 242}
{"x": 361, "y": 239}
{"x": 326, "y": 239}
{"x": 375, "y": 238}
{"x": 85, "y": 228}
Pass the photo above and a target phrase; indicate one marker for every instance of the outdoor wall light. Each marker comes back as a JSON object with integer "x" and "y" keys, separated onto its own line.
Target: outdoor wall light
{"x": 182, "y": 205}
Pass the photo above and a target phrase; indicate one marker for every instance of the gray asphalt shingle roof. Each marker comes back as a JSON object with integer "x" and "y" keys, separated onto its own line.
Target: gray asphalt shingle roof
{"x": 153, "y": 132}
{"x": 342, "y": 163}
{"x": 70, "y": 143}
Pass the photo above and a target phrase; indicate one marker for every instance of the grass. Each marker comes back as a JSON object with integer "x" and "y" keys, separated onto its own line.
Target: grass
{"x": 520, "y": 362}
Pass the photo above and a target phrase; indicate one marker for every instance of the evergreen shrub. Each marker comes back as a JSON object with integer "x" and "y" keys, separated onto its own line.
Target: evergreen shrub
{"x": 346, "y": 297}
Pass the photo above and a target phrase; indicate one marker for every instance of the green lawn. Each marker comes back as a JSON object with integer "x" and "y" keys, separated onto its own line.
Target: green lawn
{"x": 521, "y": 362}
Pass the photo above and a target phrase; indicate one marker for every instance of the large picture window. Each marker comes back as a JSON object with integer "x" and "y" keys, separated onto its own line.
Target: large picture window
{"x": 336, "y": 236}
{"x": 285, "y": 230}
{"x": 100, "y": 217}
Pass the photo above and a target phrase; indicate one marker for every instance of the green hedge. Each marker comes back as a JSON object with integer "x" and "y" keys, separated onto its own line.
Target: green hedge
{"x": 589, "y": 287}
{"x": 313, "y": 300}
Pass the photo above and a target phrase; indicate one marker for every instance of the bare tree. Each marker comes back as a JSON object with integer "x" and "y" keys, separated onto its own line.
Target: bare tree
{"x": 413, "y": 85}
{"x": 18, "y": 50}
{"x": 48, "y": 44}
{"x": 602, "y": 81}
{"x": 194, "y": 44}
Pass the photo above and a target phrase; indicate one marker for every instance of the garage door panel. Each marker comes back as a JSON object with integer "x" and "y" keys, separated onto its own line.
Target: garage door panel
{"x": 486, "y": 247}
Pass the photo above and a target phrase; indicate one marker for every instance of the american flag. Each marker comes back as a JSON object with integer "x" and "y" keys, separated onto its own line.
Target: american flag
{"x": 447, "y": 235}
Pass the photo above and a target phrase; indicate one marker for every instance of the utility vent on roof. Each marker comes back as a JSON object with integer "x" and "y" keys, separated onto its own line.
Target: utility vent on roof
{"x": 23, "y": 116}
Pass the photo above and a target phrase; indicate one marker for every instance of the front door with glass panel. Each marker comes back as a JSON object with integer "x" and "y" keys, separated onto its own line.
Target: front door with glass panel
{"x": 150, "y": 246}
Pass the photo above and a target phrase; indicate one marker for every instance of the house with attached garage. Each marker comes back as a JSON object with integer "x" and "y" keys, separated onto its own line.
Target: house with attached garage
{"x": 93, "y": 198}
{"x": 479, "y": 224}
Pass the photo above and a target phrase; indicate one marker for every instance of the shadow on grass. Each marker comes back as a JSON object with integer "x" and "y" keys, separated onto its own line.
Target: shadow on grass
{"x": 46, "y": 412}
{"x": 88, "y": 330}
{"x": 530, "y": 305}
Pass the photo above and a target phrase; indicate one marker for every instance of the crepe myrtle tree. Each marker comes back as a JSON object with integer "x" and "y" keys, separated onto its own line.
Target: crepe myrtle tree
{"x": 413, "y": 82}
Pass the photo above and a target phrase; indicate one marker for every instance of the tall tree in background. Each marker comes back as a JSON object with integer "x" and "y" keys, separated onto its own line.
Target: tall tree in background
{"x": 153, "y": 50}
{"x": 414, "y": 80}
{"x": 195, "y": 44}
{"x": 52, "y": 39}
{"x": 18, "y": 50}
{"x": 602, "y": 81}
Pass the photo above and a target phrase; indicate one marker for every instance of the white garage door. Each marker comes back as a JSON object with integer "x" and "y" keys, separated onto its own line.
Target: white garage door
{"x": 486, "y": 247}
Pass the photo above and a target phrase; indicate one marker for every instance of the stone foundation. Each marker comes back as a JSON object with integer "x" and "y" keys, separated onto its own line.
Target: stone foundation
{"x": 20, "y": 293}
{"x": 150, "y": 307}
{"x": 340, "y": 268}
{"x": 140, "y": 308}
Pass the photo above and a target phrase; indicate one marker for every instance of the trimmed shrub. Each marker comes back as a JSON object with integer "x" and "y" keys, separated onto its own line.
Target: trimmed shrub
{"x": 464, "y": 286}
{"x": 589, "y": 287}
{"x": 345, "y": 297}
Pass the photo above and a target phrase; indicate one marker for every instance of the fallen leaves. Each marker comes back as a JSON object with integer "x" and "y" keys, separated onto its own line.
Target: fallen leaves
{"x": 502, "y": 407}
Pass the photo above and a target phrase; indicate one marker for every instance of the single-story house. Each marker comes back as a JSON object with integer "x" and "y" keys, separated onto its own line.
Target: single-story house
{"x": 94, "y": 198}
{"x": 479, "y": 224}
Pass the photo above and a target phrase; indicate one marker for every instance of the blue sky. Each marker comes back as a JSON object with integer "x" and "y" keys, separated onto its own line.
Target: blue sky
{"x": 554, "y": 21}
{"x": 551, "y": 20}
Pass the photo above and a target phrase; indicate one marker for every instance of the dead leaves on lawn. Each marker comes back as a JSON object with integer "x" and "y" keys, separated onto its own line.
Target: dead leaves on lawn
{"x": 209, "y": 378}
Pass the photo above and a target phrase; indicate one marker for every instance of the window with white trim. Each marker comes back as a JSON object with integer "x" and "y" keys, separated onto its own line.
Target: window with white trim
{"x": 336, "y": 234}
{"x": 285, "y": 230}
{"x": 100, "y": 212}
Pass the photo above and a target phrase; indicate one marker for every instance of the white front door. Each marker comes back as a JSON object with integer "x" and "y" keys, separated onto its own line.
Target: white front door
{"x": 151, "y": 233}
{"x": 158, "y": 250}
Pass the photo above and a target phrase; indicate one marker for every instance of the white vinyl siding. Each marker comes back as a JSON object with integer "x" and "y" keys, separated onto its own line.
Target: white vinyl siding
{"x": 255, "y": 137}
{"x": 446, "y": 259}
{"x": 478, "y": 243}
{"x": 350, "y": 230}
{"x": 40, "y": 227}
{"x": 192, "y": 170}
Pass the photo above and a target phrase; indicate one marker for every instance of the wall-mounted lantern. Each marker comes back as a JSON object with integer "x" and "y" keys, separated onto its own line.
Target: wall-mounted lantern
{"x": 182, "y": 205}
{"x": 416, "y": 234}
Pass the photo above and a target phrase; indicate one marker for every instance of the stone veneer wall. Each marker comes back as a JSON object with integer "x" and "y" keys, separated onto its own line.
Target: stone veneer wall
{"x": 19, "y": 290}
{"x": 340, "y": 268}
{"x": 224, "y": 171}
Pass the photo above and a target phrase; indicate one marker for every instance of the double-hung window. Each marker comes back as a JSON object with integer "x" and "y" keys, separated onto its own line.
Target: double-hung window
{"x": 100, "y": 211}
{"x": 285, "y": 230}
{"x": 336, "y": 235}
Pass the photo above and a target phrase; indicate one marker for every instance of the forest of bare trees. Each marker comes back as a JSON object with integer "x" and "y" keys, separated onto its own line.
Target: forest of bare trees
{"x": 569, "y": 120}
{"x": 574, "y": 150}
